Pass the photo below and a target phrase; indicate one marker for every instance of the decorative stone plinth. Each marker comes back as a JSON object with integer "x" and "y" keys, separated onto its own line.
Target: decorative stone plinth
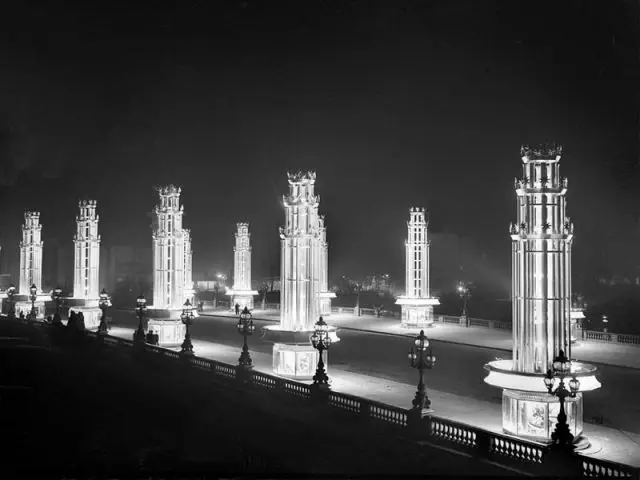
{"x": 167, "y": 324}
{"x": 417, "y": 312}
{"x": 533, "y": 415}
{"x": 293, "y": 354}
{"x": 295, "y": 361}
{"x": 528, "y": 410}
{"x": 170, "y": 332}
{"x": 25, "y": 307}
{"x": 91, "y": 316}
{"x": 325, "y": 303}
{"x": 244, "y": 298}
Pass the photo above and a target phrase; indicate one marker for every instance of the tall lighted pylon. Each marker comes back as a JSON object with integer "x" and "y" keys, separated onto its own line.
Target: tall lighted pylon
{"x": 325, "y": 295}
{"x": 86, "y": 266}
{"x": 300, "y": 244}
{"x": 30, "y": 266}
{"x": 169, "y": 256}
{"x": 189, "y": 292}
{"x": 541, "y": 295}
{"x": 31, "y": 253}
{"x": 241, "y": 293}
{"x": 168, "y": 250}
{"x": 87, "y": 252}
{"x": 417, "y": 302}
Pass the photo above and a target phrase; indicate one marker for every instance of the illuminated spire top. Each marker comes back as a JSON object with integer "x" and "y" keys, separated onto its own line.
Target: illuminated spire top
{"x": 169, "y": 190}
{"x": 417, "y": 215}
{"x": 547, "y": 152}
{"x": 31, "y": 219}
{"x": 302, "y": 177}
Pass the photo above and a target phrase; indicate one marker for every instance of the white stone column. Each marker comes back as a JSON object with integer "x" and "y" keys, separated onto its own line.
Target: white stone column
{"x": 87, "y": 252}
{"x": 31, "y": 253}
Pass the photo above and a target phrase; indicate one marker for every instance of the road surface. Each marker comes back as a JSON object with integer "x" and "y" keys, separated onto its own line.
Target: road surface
{"x": 458, "y": 370}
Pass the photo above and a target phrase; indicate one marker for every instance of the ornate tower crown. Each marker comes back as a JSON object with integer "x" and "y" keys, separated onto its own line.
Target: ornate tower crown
{"x": 548, "y": 152}
{"x": 169, "y": 190}
{"x": 87, "y": 204}
{"x": 418, "y": 215}
{"x": 31, "y": 219}
{"x": 302, "y": 177}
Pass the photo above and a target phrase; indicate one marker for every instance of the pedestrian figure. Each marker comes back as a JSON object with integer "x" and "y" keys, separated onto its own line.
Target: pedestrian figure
{"x": 201, "y": 306}
{"x": 21, "y": 317}
{"x": 237, "y": 309}
{"x": 80, "y": 322}
{"x": 149, "y": 337}
{"x": 71, "y": 323}
{"x": 156, "y": 339}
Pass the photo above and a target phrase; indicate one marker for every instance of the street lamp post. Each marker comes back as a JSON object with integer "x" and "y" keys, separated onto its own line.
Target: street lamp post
{"x": 56, "y": 296}
{"x": 421, "y": 358}
{"x": 605, "y": 323}
{"x": 321, "y": 342}
{"x": 11, "y": 292}
{"x": 33, "y": 290}
{"x": 187, "y": 317}
{"x": 357, "y": 309}
{"x": 464, "y": 292}
{"x": 245, "y": 328}
{"x": 141, "y": 311}
{"x": 561, "y": 368}
{"x": 104, "y": 303}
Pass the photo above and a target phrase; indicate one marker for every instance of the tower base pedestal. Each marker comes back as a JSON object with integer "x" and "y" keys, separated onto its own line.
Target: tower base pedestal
{"x": 242, "y": 298}
{"x": 25, "y": 306}
{"x": 91, "y": 316}
{"x": 293, "y": 354}
{"x": 295, "y": 360}
{"x": 167, "y": 324}
{"x": 417, "y": 312}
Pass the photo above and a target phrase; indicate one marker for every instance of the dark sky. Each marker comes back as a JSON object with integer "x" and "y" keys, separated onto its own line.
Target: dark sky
{"x": 393, "y": 103}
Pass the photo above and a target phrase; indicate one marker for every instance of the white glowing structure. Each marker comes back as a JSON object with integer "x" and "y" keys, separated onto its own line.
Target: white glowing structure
{"x": 241, "y": 292}
{"x": 30, "y": 265}
{"x": 541, "y": 295}
{"x": 86, "y": 265}
{"x": 577, "y": 313}
{"x": 300, "y": 241}
{"x": 31, "y": 253}
{"x": 325, "y": 295}
{"x": 168, "y": 268}
{"x": 189, "y": 292}
{"x": 417, "y": 303}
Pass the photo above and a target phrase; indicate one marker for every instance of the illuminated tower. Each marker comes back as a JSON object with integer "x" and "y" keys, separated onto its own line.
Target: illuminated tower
{"x": 168, "y": 250}
{"x": 87, "y": 252}
{"x": 325, "y": 295}
{"x": 168, "y": 268}
{"x": 241, "y": 292}
{"x": 31, "y": 253}
{"x": 86, "y": 265}
{"x": 300, "y": 250}
{"x": 30, "y": 265}
{"x": 417, "y": 303}
{"x": 188, "y": 267}
{"x": 541, "y": 296}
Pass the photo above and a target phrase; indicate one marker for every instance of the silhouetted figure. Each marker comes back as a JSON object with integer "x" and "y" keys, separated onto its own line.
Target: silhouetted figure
{"x": 57, "y": 320}
{"x": 21, "y": 317}
{"x": 149, "y": 337}
{"x": 237, "y": 309}
{"x": 71, "y": 323}
{"x": 49, "y": 319}
{"x": 156, "y": 339}
{"x": 80, "y": 322}
{"x": 201, "y": 306}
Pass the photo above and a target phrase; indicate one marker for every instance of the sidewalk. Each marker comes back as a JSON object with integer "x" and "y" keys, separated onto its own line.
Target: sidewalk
{"x": 591, "y": 352}
{"x": 606, "y": 443}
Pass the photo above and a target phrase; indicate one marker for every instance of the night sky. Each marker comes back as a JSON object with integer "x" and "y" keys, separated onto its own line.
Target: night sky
{"x": 394, "y": 104}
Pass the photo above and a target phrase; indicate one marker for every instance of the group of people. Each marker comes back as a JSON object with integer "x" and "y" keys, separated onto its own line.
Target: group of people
{"x": 152, "y": 338}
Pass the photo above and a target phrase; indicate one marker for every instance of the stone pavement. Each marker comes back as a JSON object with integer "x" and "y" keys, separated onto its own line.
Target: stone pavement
{"x": 593, "y": 352}
{"x": 606, "y": 443}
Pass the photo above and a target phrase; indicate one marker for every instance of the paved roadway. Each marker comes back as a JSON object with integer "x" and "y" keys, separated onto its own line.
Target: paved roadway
{"x": 459, "y": 368}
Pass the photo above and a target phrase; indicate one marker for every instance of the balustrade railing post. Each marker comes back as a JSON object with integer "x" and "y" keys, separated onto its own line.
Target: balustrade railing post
{"x": 483, "y": 444}
{"x": 560, "y": 461}
{"x": 419, "y": 423}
